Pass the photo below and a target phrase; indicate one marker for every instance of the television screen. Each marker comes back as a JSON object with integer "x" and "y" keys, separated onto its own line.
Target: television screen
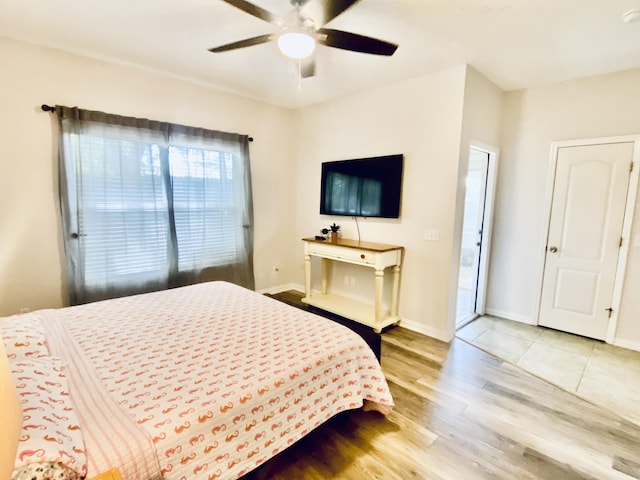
{"x": 364, "y": 187}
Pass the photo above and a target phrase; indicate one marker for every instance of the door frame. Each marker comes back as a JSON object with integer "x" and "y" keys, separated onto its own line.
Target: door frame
{"x": 487, "y": 222}
{"x": 626, "y": 223}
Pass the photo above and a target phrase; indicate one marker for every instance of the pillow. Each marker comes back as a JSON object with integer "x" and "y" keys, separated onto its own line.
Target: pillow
{"x": 50, "y": 435}
{"x": 45, "y": 471}
{"x": 23, "y": 336}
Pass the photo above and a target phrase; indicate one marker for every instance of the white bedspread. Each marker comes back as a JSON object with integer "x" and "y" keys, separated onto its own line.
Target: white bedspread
{"x": 218, "y": 378}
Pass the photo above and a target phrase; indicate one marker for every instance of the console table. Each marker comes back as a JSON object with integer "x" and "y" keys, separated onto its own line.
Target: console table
{"x": 374, "y": 255}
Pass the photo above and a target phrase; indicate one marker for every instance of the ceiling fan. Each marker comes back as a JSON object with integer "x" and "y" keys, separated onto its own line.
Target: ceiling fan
{"x": 301, "y": 29}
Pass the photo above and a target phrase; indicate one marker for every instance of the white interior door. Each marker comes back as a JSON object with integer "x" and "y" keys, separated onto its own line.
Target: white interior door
{"x": 585, "y": 231}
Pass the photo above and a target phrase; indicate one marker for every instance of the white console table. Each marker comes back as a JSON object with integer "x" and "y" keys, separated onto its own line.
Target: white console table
{"x": 374, "y": 255}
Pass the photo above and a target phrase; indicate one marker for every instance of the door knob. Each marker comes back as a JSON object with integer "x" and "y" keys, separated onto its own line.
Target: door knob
{"x": 553, "y": 249}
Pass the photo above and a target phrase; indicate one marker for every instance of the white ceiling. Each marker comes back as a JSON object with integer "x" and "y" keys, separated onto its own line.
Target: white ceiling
{"x": 515, "y": 43}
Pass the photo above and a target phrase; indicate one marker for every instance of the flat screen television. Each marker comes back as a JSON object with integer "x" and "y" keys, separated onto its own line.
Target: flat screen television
{"x": 363, "y": 187}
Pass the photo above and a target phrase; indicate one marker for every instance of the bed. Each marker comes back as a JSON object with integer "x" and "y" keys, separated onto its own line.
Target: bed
{"x": 201, "y": 382}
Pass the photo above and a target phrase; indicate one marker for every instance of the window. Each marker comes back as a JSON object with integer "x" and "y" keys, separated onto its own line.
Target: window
{"x": 204, "y": 207}
{"x": 148, "y": 205}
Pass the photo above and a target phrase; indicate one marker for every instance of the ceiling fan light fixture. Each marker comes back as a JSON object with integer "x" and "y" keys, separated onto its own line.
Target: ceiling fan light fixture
{"x": 296, "y": 43}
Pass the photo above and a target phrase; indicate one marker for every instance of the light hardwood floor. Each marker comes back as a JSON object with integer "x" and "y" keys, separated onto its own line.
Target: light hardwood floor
{"x": 463, "y": 414}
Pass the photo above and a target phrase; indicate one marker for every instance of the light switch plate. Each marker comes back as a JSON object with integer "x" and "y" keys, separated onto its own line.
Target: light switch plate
{"x": 431, "y": 234}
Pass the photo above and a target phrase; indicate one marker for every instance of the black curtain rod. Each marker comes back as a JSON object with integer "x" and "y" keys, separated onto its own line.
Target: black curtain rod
{"x": 49, "y": 108}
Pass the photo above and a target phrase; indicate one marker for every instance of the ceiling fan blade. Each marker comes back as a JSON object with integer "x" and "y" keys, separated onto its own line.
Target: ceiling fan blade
{"x": 355, "y": 42}
{"x": 247, "y": 42}
{"x": 256, "y": 11}
{"x": 307, "y": 68}
{"x": 327, "y": 10}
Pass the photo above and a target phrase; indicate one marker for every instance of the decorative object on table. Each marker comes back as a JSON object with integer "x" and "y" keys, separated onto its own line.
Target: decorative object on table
{"x": 332, "y": 232}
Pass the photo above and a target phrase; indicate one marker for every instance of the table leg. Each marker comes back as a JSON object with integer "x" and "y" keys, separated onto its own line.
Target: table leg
{"x": 325, "y": 274}
{"x": 395, "y": 291}
{"x": 378, "y": 296}
{"x": 307, "y": 276}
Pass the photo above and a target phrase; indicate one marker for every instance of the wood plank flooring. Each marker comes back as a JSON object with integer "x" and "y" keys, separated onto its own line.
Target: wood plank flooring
{"x": 463, "y": 414}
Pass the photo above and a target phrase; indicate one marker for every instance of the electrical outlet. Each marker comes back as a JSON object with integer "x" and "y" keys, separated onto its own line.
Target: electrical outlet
{"x": 352, "y": 281}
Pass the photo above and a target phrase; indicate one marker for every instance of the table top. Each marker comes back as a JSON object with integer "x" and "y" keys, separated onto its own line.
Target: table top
{"x": 358, "y": 244}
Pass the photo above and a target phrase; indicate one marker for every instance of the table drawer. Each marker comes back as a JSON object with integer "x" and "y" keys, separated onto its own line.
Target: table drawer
{"x": 343, "y": 254}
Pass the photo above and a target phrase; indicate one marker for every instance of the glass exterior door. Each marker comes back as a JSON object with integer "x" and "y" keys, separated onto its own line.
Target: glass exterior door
{"x": 472, "y": 230}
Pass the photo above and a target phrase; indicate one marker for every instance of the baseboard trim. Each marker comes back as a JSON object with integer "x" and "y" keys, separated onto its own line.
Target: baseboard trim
{"x": 426, "y": 330}
{"x": 627, "y": 344}
{"x": 516, "y": 317}
{"x": 282, "y": 288}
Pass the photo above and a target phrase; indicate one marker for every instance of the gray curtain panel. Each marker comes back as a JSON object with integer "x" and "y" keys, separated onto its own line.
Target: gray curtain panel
{"x": 149, "y": 205}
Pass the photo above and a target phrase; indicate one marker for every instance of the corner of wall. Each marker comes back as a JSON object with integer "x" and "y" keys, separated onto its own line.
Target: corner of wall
{"x": 438, "y": 334}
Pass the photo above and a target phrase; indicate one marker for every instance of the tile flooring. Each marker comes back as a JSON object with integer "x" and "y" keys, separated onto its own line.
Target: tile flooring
{"x": 605, "y": 375}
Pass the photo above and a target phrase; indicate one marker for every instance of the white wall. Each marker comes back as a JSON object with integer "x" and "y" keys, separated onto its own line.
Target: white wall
{"x": 421, "y": 118}
{"x": 602, "y": 106}
{"x": 30, "y": 245}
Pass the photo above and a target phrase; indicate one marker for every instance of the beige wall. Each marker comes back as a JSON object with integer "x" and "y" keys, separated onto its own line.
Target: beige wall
{"x": 421, "y": 118}
{"x": 481, "y": 127}
{"x": 602, "y": 106}
{"x": 30, "y": 247}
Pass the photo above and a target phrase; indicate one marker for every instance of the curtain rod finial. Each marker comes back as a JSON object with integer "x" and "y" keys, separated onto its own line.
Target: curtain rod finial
{"x": 47, "y": 108}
